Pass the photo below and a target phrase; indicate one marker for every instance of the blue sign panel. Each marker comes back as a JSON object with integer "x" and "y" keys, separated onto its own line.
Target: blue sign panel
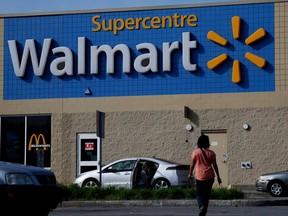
{"x": 143, "y": 52}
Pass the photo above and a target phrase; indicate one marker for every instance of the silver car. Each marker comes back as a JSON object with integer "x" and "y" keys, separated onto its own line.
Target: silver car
{"x": 28, "y": 190}
{"x": 274, "y": 183}
{"x": 124, "y": 172}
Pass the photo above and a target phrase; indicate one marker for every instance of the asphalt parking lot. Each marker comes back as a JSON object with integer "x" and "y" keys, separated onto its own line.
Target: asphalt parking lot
{"x": 171, "y": 211}
{"x": 252, "y": 198}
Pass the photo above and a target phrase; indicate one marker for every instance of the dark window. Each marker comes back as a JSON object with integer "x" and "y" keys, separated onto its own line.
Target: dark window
{"x": 121, "y": 166}
{"x": 36, "y": 149}
{"x": 38, "y": 141}
{"x": 89, "y": 150}
{"x": 12, "y": 139}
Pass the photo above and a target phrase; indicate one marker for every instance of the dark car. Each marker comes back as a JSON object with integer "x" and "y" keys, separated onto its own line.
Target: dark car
{"x": 28, "y": 190}
{"x": 274, "y": 183}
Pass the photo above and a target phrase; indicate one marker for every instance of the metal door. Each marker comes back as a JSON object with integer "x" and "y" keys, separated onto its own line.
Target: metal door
{"x": 218, "y": 144}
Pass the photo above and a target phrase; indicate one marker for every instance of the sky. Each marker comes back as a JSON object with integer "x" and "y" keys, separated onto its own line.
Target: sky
{"x": 36, "y": 6}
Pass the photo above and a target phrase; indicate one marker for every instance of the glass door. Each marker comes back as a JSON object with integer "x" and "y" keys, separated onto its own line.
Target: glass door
{"x": 88, "y": 152}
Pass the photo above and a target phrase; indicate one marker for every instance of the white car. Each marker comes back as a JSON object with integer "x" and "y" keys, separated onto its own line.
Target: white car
{"x": 124, "y": 172}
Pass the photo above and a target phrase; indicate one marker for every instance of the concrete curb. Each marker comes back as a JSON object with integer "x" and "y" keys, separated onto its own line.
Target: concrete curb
{"x": 143, "y": 203}
{"x": 261, "y": 202}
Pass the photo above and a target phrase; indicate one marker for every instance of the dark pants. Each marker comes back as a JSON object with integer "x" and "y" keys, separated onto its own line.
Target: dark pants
{"x": 203, "y": 192}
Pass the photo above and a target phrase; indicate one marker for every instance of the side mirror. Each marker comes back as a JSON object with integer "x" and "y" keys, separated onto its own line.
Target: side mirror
{"x": 110, "y": 169}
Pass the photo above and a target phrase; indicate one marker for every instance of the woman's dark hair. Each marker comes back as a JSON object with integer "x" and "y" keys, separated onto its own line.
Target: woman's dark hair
{"x": 203, "y": 141}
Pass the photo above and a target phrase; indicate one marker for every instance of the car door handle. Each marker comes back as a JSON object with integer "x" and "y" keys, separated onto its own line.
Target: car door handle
{"x": 127, "y": 173}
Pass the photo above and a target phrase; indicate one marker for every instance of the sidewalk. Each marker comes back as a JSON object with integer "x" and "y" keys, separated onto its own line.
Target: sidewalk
{"x": 251, "y": 199}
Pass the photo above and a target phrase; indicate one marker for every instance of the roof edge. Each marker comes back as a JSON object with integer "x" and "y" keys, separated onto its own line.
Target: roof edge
{"x": 139, "y": 8}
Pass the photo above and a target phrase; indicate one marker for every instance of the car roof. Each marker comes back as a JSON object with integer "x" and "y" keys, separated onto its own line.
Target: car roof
{"x": 8, "y": 167}
{"x": 157, "y": 160}
{"x": 276, "y": 173}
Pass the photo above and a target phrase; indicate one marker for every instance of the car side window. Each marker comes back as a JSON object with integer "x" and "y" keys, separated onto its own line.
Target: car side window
{"x": 123, "y": 166}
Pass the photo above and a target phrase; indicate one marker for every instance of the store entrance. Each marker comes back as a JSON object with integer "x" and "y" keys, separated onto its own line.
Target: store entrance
{"x": 88, "y": 152}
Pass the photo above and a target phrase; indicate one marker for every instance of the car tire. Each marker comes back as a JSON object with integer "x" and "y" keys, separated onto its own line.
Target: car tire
{"x": 90, "y": 183}
{"x": 161, "y": 184}
{"x": 43, "y": 213}
{"x": 276, "y": 189}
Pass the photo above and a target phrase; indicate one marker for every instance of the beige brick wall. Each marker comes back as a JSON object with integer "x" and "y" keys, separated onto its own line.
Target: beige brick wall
{"x": 281, "y": 45}
{"x": 163, "y": 134}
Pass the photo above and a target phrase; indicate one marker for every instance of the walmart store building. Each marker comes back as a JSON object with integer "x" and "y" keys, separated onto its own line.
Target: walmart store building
{"x": 155, "y": 78}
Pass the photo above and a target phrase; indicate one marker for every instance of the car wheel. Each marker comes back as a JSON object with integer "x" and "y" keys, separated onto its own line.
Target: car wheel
{"x": 90, "y": 183}
{"x": 276, "y": 188}
{"x": 161, "y": 184}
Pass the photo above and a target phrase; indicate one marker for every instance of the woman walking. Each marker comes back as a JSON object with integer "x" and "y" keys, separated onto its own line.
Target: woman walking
{"x": 204, "y": 162}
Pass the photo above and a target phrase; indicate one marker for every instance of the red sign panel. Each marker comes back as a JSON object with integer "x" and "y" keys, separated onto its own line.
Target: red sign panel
{"x": 89, "y": 146}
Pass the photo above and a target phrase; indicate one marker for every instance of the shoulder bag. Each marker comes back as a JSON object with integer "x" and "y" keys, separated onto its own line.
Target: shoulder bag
{"x": 205, "y": 156}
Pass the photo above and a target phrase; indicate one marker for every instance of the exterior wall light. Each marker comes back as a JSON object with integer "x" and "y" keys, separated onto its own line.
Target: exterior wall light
{"x": 88, "y": 91}
{"x": 189, "y": 127}
{"x": 246, "y": 126}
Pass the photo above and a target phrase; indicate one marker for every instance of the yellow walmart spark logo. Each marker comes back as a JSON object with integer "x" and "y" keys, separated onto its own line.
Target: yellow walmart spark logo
{"x": 236, "y": 71}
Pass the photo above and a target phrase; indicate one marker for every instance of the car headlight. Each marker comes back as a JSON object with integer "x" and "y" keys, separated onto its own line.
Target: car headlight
{"x": 263, "y": 179}
{"x": 18, "y": 179}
